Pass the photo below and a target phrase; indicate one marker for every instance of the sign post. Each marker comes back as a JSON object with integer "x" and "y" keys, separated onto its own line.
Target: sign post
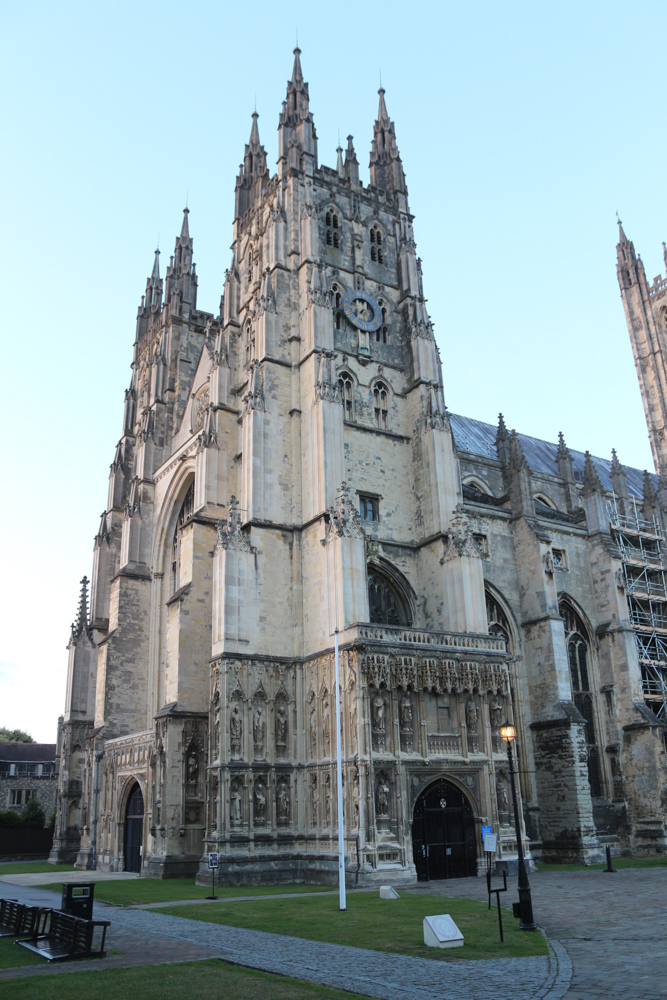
{"x": 213, "y": 864}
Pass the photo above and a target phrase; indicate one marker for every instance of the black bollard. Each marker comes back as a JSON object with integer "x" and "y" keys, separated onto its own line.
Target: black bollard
{"x": 608, "y": 868}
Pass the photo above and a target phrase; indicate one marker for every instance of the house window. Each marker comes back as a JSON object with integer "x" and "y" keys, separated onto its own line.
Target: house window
{"x": 369, "y": 508}
{"x": 333, "y": 227}
{"x": 578, "y": 660}
{"x": 346, "y": 386}
{"x": 381, "y": 405}
{"x": 377, "y": 245}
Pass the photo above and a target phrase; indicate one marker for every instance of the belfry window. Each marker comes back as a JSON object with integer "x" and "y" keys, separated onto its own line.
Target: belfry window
{"x": 381, "y": 332}
{"x": 346, "y": 386}
{"x": 337, "y": 305}
{"x": 377, "y": 248}
{"x": 333, "y": 227}
{"x": 578, "y": 660}
{"x": 381, "y": 405}
{"x": 385, "y": 603}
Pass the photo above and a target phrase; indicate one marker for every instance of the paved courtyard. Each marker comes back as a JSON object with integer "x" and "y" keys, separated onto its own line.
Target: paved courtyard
{"x": 608, "y": 935}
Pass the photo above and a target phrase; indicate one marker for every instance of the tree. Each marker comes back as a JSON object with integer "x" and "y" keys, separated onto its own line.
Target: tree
{"x": 10, "y": 818}
{"x": 32, "y": 813}
{"x": 14, "y": 736}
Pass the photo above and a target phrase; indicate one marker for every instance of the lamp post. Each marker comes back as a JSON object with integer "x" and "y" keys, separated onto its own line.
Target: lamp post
{"x": 508, "y": 734}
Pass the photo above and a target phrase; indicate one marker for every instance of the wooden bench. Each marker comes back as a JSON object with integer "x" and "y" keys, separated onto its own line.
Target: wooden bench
{"x": 58, "y": 936}
{"x": 17, "y": 918}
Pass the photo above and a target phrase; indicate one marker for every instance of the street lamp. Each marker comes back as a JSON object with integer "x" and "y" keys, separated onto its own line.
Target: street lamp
{"x": 508, "y": 734}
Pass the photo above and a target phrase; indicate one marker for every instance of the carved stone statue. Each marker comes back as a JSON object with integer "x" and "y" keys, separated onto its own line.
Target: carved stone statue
{"x": 281, "y": 729}
{"x": 326, "y": 725}
{"x": 282, "y": 802}
{"x": 471, "y": 714}
{"x": 382, "y": 798}
{"x": 378, "y": 714}
{"x": 503, "y": 801}
{"x": 314, "y": 800}
{"x": 496, "y": 713}
{"x": 355, "y": 799}
{"x": 259, "y": 731}
{"x": 235, "y": 805}
{"x": 193, "y": 767}
{"x": 406, "y": 713}
{"x": 260, "y": 804}
{"x": 327, "y": 801}
{"x": 235, "y": 731}
{"x": 313, "y": 731}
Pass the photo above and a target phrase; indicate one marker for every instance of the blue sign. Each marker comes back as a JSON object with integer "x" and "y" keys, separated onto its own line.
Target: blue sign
{"x": 485, "y": 830}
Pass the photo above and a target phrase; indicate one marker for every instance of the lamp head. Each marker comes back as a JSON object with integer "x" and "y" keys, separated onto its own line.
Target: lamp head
{"x": 507, "y": 733}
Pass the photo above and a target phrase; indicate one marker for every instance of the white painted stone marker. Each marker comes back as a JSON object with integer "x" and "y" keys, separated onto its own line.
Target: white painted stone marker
{"x": 441, "y": 932}
{"x": 387, "y": 892}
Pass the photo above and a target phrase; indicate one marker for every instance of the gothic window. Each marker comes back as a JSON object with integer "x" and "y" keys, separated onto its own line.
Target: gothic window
{"x": 187, "y": 507}
{"x": 249, "y": 343}
{"x": 381, "y": 405}
{"x": 377, "y": 245}
{"x": 381, "y": 332}
{"x": 386, "y": 605}
{"x": 369, "y": 508}
{"x": 346, "y": 386}
{"x": 578, "y": 660}
{"x": 545, "y": 500}
{"x": 497, "y": 619}
{"x": 332, "y": 221}
{"x": 337, "y": 306}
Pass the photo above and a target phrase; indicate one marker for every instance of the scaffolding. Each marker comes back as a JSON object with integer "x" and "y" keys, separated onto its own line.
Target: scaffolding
{"x": 640, "y": 541}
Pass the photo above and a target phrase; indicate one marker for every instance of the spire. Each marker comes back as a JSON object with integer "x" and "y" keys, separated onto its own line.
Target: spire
{"x": 386, "y": 167}
{"x": 297, "y": 138}
{"x": 151, "y": 300}
{"x": 622, "y": 238}
{"x": 351, "y": 165}
{"x": 502, "y": 441}
{"x": 181, "y": 277}
{"x": 253, "y": 173}
{"x": 81, "y": 623}
{"x": 563, "y": 450}
{"x": 339, "y": 160}
{"x": 592, "y": 482}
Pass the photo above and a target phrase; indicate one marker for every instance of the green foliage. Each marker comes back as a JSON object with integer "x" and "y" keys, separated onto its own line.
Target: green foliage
{"x": 32, "y": 814}
{"x": 51, "y": 822}
{"x": 10, "y": 818}
{"x": 14, "y": 736}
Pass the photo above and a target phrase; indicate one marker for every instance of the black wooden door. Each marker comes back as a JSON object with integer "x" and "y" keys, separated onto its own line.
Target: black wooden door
{"x": 443, "y": 833}
{"x": 134, "y": 831}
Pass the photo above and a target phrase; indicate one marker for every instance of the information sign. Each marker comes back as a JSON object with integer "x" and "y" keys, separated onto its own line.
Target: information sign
{"x": 213, "y": 859}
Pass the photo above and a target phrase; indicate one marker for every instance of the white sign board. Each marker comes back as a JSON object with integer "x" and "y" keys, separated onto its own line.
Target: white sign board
{"x": 491, "y": 843}
{"x": 441, "y": 932}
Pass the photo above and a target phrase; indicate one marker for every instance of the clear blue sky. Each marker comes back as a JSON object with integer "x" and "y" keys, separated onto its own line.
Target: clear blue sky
{"x": 522, "y": 127}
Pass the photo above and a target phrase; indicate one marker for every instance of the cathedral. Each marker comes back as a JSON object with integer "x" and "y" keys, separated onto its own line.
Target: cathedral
{"x": 288, "y": 472}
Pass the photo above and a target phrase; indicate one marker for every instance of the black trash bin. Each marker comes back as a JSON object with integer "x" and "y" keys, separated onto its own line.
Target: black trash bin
{"x": 77, "y": 899}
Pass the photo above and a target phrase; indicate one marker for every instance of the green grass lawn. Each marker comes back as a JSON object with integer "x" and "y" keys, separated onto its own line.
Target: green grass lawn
{"x": 12, "y": 955}
{"x": 379, "y": 924}
{"x": 31, "y": 867}
{"x": 615, "y": 863}
{"x": 206, "y": 980}
{"x": 169, "y": 890}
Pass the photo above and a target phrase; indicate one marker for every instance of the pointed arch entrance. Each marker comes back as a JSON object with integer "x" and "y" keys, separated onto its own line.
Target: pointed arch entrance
{"x": 134, "y": 830}
{"x": 443, "y": 833}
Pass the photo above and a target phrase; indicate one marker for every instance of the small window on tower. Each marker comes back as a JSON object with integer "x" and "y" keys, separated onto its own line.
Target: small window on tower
{"x": 381, "y": 332}
{"x": 333, "y": 227}
{"x": 381, "y": 405}
{"x": 346, "y": 386}
{"x": 377, "y": 241}
{"x": 369, "y": 508}
{"x": 337, "y": 305}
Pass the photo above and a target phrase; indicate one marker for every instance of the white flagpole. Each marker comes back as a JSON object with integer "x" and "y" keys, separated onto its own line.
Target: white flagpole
{"x": 339, "y": 781}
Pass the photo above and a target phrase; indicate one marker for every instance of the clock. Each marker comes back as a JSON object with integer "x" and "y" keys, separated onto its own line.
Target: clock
{"x": 362, "y": 311}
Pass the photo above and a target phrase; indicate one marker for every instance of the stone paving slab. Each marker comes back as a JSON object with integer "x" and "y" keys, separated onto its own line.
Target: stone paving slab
{"x": 54, "y": 878}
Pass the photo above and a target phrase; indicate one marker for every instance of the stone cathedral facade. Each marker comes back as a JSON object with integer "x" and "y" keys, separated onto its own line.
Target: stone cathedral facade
{"x": 288, "y": 469}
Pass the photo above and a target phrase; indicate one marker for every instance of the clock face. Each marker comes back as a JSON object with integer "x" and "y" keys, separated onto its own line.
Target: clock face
{"x": 362, "y": 311}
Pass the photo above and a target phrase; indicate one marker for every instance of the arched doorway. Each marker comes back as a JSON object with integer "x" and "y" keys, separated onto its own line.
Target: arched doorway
{"x": 134, "y": 830}
{"x": 443, "y": 833}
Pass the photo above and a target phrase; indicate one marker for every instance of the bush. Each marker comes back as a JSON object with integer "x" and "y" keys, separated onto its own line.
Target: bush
{"x": 10, "y": 818}
{"x": 32, "y": 814}
{"x": 51, "y": 822}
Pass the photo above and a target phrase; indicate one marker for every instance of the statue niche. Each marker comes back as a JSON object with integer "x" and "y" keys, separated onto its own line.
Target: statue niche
{"x": 281, "y": 727}
{"x": 405, "y": 711}
{"x": 378, "y": 721}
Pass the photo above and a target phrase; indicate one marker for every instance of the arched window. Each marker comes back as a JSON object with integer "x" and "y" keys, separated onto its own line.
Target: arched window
{"x": 332, "y": 221}
{"x": 497, "y": 619}
{"x": 249, "y": 343}
{"x": 337, "y": 306}
{"x": 578, "y": 660}
{"x": 381, "y": 332}
{"x": 377, "y": 241}
{"x": 346, "y": 386}
{"x": 545, "y": 500}
{"x": 184, "y": 513}
{"x": 387, "y": 606}
{"x": 381, "y": 405}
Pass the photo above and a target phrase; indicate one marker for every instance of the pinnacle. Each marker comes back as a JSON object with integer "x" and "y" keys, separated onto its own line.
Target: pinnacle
{"x": 155, "y": 273}
{"x": 382, "y": 109}
{"x": 563, "y": 450}
{"x": 185, "y": 231}
{"x": 592, "y": 482}
{"x": 254, "y": 133}
{"x": 297, "y": 75}
{"x": 615, "y": 464}
{"x": 339, "y": 160}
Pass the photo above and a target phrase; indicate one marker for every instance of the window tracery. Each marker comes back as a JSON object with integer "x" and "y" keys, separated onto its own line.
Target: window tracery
{"x": 337, "y": 306}
{"x": 333, "y": 227}
{"x": 386, "y": 605}
{"x": 498, "y": 623}
{"x": 346, "y": 385}
{"x": 578, "y": 660}
{"x": 187, "y": 508}
{"x": 381, "y": 405}
{"x": 377, "y": 244}
{"x": 381, "y": 332}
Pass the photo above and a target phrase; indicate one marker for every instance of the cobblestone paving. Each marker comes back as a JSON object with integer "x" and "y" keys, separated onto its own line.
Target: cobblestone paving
{"x": 372, "y": 973}
{"x": 614, "y": 927}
